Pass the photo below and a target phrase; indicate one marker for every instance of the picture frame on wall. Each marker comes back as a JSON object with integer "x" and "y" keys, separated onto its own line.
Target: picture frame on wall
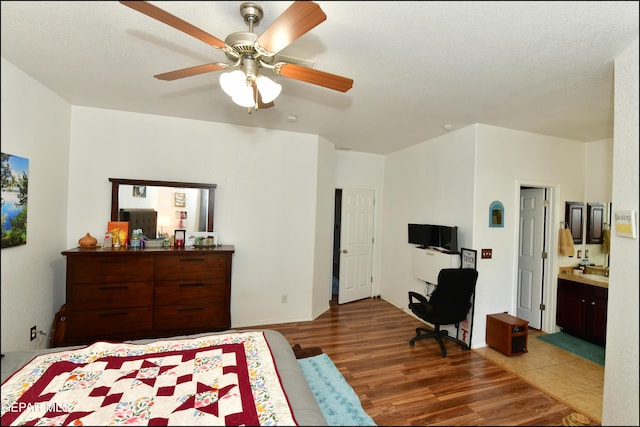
{"x": 179, "y": 200}
{"x": 15, "y": 183}
{"x": 496, "y": 214}
{"x": 625, "y": 224}
{"x": 140, "y": 191}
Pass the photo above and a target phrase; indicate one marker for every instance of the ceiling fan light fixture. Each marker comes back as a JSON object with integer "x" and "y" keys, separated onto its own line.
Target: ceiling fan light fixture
{"x": 233, "y": 82}
{"x": 269, "y": 90}
{"x": 244, "y": 97}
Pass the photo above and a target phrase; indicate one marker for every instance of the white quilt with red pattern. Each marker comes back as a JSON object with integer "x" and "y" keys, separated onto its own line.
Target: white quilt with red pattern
{"x": 219, "y": 379}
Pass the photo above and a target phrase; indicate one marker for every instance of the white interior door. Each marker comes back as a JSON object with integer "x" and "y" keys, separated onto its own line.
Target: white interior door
{"x": 530, "y": 260}
{"x": 356, "y": 245}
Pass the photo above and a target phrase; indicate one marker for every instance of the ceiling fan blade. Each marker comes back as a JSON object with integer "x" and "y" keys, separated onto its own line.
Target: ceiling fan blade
{"x": 298, "y": 19}
{"x": 315, "y": 77}
{"x": 169, "y": 19}
{"x": 188, "y": 72}
{"x": 256, "y": 94}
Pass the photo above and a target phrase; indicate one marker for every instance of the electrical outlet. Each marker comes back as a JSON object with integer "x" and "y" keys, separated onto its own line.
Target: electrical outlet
{"x": 33, "y": 332}
{"x": 283, "y": 298}
{"x": 486, "y": 253}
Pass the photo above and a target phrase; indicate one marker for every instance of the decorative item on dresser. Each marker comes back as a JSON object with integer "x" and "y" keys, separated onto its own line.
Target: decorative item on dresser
{"x": 122, "y": 294}
{"x": 88, "y": 241}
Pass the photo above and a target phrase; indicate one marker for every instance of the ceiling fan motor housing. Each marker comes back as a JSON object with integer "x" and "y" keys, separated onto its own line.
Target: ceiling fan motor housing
{"x": 242, "y": 43}
{"x": 251, "y": 13}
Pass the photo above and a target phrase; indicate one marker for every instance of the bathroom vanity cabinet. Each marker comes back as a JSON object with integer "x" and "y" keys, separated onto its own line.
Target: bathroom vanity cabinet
{"x": 595, "y": 222}
{"x": 574, "y": 218}
{"x": 582, "y": 310}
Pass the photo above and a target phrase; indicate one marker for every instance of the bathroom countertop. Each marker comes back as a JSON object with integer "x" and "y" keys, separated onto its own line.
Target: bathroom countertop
{"x": 588, "y": 279}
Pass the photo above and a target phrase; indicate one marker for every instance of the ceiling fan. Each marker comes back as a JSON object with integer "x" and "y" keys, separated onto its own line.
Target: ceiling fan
{"x": 248, "y": 54}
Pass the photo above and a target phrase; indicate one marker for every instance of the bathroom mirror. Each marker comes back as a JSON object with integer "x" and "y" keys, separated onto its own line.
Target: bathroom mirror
{"x": 177, "y": 205}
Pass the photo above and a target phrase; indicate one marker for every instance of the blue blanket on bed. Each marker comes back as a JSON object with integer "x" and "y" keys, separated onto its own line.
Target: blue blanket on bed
{"x": 338, "y": 402}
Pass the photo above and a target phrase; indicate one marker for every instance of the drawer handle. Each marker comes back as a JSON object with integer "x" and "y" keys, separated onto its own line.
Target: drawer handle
{"x": 107, "y": 288}
{"x": 198, "y": 308}
{"x": 119, "y": 313}
{"x": 191, "y": 259}
{"x": 190, "y": 284}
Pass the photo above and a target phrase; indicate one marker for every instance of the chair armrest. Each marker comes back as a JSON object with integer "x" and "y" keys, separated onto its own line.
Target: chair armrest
{"x": 416, "y": 296}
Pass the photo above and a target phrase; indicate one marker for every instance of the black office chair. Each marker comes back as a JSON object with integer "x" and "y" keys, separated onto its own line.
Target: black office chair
{"x": 448, "y": 305}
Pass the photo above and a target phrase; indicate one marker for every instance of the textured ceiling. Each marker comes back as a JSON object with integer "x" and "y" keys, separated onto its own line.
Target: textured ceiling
{"x": 543, "y": 67}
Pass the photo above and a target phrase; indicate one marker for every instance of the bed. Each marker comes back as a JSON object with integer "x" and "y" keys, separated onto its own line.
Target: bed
{"x": 243, "y": 377}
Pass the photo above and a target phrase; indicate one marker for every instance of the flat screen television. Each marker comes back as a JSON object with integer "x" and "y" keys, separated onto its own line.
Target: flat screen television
{"x": 448, "y": 238}
{"x": 441, "y": 237}
{"x": 424, "y": 235}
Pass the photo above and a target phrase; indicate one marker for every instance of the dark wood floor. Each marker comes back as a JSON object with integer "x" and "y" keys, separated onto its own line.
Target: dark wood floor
{"x": 399, "y": 384}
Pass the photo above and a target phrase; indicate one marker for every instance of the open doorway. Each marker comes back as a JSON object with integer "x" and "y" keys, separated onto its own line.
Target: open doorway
{"x": 337, "y": 218}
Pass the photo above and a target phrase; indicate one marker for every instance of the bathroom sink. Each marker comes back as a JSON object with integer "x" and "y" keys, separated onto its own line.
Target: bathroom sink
{"x": 596, "y": 277}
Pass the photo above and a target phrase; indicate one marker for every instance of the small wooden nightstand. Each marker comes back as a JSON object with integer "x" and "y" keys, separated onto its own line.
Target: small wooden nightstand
{"x": 507, "y": 334}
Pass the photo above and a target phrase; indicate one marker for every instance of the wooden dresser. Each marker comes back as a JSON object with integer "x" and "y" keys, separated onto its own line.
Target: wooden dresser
{"x": 122, "y": 294}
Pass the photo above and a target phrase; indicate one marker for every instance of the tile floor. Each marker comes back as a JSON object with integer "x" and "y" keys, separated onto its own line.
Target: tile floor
{"x": 575, "y": 381}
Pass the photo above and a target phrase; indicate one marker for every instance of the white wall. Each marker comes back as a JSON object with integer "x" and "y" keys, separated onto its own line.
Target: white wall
{"x": 598, "y": 188}
{"x": 363, "y": 170}
{"x": 265, "y": 197}
{"x": 506, "y": 160}
{"x": 599, "y": 171}
{"x": 621, "y": 394}
{"x": 35, "y": 125}
{"x": 431, "y": 182}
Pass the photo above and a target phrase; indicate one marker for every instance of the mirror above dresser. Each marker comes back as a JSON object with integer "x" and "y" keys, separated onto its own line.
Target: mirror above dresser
{"x": 163, "y": 206}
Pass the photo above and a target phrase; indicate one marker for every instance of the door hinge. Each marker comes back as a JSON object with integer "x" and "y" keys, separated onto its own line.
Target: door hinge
{"x": 371, "y": 279}
{"x": 542, "y": 307}
{"x": 546, "y": 204}
{"x": 545, "y": 255}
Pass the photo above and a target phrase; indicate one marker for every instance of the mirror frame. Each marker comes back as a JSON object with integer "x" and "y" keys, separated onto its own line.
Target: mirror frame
{"x": 115, "y": 194}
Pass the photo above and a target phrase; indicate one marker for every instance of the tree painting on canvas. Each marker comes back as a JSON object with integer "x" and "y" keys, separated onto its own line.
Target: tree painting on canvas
{"x": 15, "y": 181}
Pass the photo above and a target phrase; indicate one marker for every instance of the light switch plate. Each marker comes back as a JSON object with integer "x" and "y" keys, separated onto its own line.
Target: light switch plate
{"x": 486, "y": 253}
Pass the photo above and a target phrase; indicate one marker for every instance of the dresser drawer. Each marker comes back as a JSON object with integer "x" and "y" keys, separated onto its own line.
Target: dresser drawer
{"x": 202, "y": 315}
{"x": 88, "y": 269}
{"x": 101, "y": 323}
{"x": 176, "y": 292}
{"x": 190, "y": 266}
{"x": 109, "y": 295}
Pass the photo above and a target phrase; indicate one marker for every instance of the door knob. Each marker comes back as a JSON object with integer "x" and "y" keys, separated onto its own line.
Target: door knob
{"x": 344, "y": 251}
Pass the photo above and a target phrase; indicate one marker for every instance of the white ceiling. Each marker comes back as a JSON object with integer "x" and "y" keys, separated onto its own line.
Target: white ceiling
{"x": 543, "y": 67}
